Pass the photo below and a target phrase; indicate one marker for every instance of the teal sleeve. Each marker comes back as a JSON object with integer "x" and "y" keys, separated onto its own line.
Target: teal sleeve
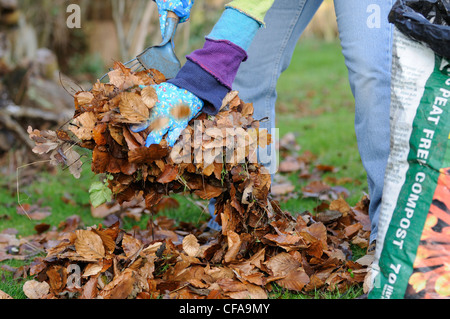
{"x": 235, "y": 27}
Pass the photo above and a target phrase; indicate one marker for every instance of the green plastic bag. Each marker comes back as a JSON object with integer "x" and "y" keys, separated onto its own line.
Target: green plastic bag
{"x": 412, "y": 258}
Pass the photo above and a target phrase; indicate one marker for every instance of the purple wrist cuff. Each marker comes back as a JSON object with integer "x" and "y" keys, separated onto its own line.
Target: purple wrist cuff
{"x": 220, "y": 58}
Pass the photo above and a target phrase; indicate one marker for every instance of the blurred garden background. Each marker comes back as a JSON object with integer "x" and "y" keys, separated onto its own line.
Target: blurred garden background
{"x": 43, "y": 62}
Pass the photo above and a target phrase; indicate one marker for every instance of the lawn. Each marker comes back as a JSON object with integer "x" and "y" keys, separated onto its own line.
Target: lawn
{"x": 315, "y": 103}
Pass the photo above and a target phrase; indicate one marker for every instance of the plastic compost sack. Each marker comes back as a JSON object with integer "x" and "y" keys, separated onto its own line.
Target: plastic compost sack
{"x": 412, "y": 258}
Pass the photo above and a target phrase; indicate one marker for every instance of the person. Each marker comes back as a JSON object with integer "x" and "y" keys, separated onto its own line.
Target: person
{"x": 253, "y": 43}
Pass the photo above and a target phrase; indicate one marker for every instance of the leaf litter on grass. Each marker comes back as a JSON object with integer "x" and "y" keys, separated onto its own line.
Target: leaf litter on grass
{"x": 259, "y": 245}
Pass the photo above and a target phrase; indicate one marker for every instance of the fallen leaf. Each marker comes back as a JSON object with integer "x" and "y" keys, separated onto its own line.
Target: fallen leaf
{"x": 57, "y": 278}
{"x": 34, "y": 289}
{"x": 282, "y": 264}
{"x": 4, "y": 295}
{"x": 46, "y": 141}
{"x": 169, "y": 174}
{"x": 133, "y": 109}
{"x": 251, "y": 292}
{"x": 282, "y": 189}
{"x": 290, "y": 164}
{"x": 123, "y": 78}
{"x": 89, "y": 245}
{"x": 149, "y": 96}
{"x": 351, "y": 230}
{"x": 41, "y": 228}
{"x": 144, "y": 155}
{"x": 340, "y": 205}
{"x": 209, "y": 191}
{"x": 296, "y": 280}
{"x": 131, "y": 246}
{"x": 315, "y": 189}
{"x": 121, "y": 287}
{"x": 234, "y": 244}
{"x": 84, "y": 98}
{"x": 90, "y": 290}
{"x": 83, "y": 125}
{"x": 191, "y": 245}
{"x": 328, "y": 216}
{"x": 260, "y": 243}
{"x": 92, "y": 269}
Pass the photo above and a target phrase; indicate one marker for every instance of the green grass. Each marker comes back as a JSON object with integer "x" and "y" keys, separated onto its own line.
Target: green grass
{"x": 48, "y": 190}
{"x": 315, "y": 102}
{"x": 281, "y": 293}
{"x": 10, "y": 285}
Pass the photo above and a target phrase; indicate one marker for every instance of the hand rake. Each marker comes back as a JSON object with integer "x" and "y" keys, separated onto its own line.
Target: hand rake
{"x": 161, "y": 57}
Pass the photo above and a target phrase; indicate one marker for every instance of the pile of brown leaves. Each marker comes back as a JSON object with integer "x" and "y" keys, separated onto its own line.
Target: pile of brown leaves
{"x": 299, "y": 254}
{"x": 259, "y": 244}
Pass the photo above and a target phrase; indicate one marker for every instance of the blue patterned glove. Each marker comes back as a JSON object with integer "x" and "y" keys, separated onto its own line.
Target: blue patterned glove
{"x": 182, "y": 8}
{"x": 170, "y": 98}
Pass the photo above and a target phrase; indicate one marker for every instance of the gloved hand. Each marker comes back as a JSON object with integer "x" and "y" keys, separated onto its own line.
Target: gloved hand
{"x": 182, "y": 8}
{"x": 208, "y": 73}
{"x": 170, "y": 97}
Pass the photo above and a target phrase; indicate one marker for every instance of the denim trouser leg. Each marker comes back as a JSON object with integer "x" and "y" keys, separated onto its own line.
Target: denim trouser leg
{"x": 366, "y": 39}
{"x": 268, "y": 56}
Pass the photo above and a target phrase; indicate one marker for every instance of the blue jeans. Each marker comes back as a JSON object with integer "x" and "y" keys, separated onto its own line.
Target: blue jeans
{"x": 366, "y": 40}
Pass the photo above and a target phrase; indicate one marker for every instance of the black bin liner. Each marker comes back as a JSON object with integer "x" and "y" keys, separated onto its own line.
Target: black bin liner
{"x": 427, "y": 21}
